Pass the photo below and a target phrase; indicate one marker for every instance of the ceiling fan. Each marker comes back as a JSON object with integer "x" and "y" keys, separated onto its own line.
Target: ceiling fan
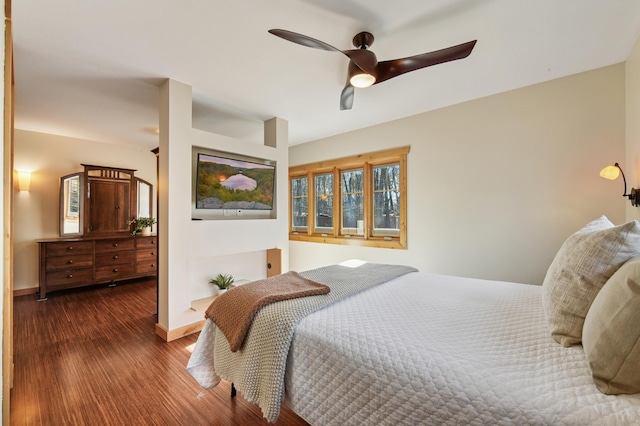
{"x": 365, "y": 70}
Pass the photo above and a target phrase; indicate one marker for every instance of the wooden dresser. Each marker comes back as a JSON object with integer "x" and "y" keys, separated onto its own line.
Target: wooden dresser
{"x": 76, "y": 262}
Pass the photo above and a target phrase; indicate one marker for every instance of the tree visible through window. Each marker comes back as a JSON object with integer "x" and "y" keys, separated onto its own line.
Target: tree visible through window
{"x": 300, "y": 203}
{"x": 324, "y": 202}
{"x": 386, "y": 200}
{"x": 352, "y": 201}
{"x": 359, "y": 200}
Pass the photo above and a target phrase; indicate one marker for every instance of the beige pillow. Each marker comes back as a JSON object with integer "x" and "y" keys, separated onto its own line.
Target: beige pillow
{"x": 611, "y": 333}
{"x": 586, "y": 260}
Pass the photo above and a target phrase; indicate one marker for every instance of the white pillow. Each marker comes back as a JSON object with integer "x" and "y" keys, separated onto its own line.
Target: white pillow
{"x": 611, "y": 332}
{"x": 586, "y": 260}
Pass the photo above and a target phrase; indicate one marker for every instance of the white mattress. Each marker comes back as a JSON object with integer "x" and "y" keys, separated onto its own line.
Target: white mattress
{"x": 429, "y": 349}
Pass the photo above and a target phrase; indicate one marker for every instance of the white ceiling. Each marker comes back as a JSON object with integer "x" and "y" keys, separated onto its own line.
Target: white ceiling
{"x": 91, "y": 69}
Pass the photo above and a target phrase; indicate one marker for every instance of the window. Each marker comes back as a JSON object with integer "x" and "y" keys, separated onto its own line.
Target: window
{"x": 324, "y": 202}
{"x": 352, "y": 190}
{"x": 299, "y": 203}
{"x": 358, "y": 200}
{"x": 386, "y": 200}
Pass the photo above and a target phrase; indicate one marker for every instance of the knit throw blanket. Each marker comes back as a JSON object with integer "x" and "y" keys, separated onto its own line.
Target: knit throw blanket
{"x": 258, "y": 368}
{"x": 234, "y": 311}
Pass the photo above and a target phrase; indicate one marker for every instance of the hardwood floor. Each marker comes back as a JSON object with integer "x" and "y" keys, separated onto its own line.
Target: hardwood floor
{"x": 91, "y": 357}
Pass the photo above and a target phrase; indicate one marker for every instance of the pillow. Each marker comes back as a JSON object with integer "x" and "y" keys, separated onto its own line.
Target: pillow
{"x": 611, "y": 333}
{"x": 586, "y": 260}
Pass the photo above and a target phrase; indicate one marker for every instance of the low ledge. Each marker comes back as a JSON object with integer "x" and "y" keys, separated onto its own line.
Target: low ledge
{"x": 201, "y": 305}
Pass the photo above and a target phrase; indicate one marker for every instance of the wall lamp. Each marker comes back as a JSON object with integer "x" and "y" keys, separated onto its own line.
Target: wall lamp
{"x": 24, "y": 181}
{"x": 612, "y": 173}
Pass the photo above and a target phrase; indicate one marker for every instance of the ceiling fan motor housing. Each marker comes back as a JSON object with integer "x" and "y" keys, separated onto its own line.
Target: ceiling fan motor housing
{"x": 363, "y": 40}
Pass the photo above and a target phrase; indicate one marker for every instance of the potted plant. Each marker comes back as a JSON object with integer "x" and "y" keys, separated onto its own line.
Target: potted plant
{"x": 142, "y": 224}
{"x": 222, "y": 281}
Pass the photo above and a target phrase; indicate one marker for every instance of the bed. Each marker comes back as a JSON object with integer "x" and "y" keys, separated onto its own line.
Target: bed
{"x": 428, "y": 349}
{"x": 457, "y": 351}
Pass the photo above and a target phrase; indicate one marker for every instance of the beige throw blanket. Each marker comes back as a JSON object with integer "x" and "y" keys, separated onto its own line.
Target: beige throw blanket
{"x": 233, "y": 311}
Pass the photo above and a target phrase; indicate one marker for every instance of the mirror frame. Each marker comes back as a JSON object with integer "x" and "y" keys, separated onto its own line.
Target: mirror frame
{"x": 138, "y": 181}
{"x": 63, "y": 198}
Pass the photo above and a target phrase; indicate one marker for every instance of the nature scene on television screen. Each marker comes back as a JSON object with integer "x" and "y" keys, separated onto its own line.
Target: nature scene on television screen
{"x": 223, "y": 183}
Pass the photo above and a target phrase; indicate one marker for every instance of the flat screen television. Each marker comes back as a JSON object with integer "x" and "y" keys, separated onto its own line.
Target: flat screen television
{"x": 231, "y": 184}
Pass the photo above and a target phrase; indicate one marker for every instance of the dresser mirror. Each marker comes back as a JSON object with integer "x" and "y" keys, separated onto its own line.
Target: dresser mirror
{"x": 71, "y": 204}
{"x": 101, "y": 201}
{"x": 144, "y": 198}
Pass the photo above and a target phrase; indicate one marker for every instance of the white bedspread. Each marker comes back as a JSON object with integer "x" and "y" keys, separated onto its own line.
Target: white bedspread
{"x": 432, "y": 350}
{"x": 258, "y": 368}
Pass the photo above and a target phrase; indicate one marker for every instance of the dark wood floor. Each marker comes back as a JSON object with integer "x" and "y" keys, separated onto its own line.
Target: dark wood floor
{"x": 91, "y": 357}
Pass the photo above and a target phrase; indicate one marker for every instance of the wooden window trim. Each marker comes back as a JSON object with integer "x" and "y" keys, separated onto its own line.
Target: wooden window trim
{"x": 336, "y": 166}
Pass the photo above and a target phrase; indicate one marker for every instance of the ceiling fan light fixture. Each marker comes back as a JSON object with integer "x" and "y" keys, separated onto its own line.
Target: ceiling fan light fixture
{"x": 362, "y": 80}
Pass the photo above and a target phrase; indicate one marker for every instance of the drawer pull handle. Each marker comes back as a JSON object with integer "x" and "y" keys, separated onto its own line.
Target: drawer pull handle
{"x": 115, "y": 270}
{"x": 70, "y": 262}
{"x": 70, "y": 276}
{"x": 153, "y": 241}
{"x": 153, "y": 265}
{"x": 115, "y": 257}
{"x": 70, "y": 248}
{"x": 153, "y": 254}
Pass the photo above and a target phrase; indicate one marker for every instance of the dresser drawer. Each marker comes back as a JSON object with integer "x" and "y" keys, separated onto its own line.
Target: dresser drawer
{"x": 68, "y": 247}
{"x": 54, "y": 263}
{"x": 113, "y": 272}
{"x": 75, "y": 276}
{"x": 114, "y": 244}
{"x": 146, "y": 255}
{"x": 114, "y": 258}
{"x": 147, "y": 267}
{"x": 146, "y": 243}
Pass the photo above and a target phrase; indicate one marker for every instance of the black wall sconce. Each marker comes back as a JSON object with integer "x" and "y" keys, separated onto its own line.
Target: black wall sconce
{"x": 612, "y": 173}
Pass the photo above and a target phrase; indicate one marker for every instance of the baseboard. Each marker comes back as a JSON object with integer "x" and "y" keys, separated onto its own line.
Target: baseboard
{"x": 25, "y": 291}
{"x": 176, "y": 333}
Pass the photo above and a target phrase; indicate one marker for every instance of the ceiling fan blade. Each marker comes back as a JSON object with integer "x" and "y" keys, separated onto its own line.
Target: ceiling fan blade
{"x": 303, "y": 40}
{"x": 396, "y": 67}
{"x": 362, "y": 58}
{"x": 346, "y": 97}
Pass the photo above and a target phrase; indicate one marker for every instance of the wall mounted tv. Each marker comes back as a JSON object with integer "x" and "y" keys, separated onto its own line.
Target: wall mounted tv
{"x": 233, "y": 184}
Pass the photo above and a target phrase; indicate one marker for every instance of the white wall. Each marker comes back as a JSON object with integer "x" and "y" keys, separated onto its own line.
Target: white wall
{"x": 191, "y": 252}
{"x": 48, "y": 157}
{"x": 495, "y": 185}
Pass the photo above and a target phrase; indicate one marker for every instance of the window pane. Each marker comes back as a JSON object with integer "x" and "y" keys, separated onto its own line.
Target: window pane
{"x": 324, "y": 202}
{"x": 300, "y": 203}
{"x": 386, "y": 200}
{"x": 352, "y": 201}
